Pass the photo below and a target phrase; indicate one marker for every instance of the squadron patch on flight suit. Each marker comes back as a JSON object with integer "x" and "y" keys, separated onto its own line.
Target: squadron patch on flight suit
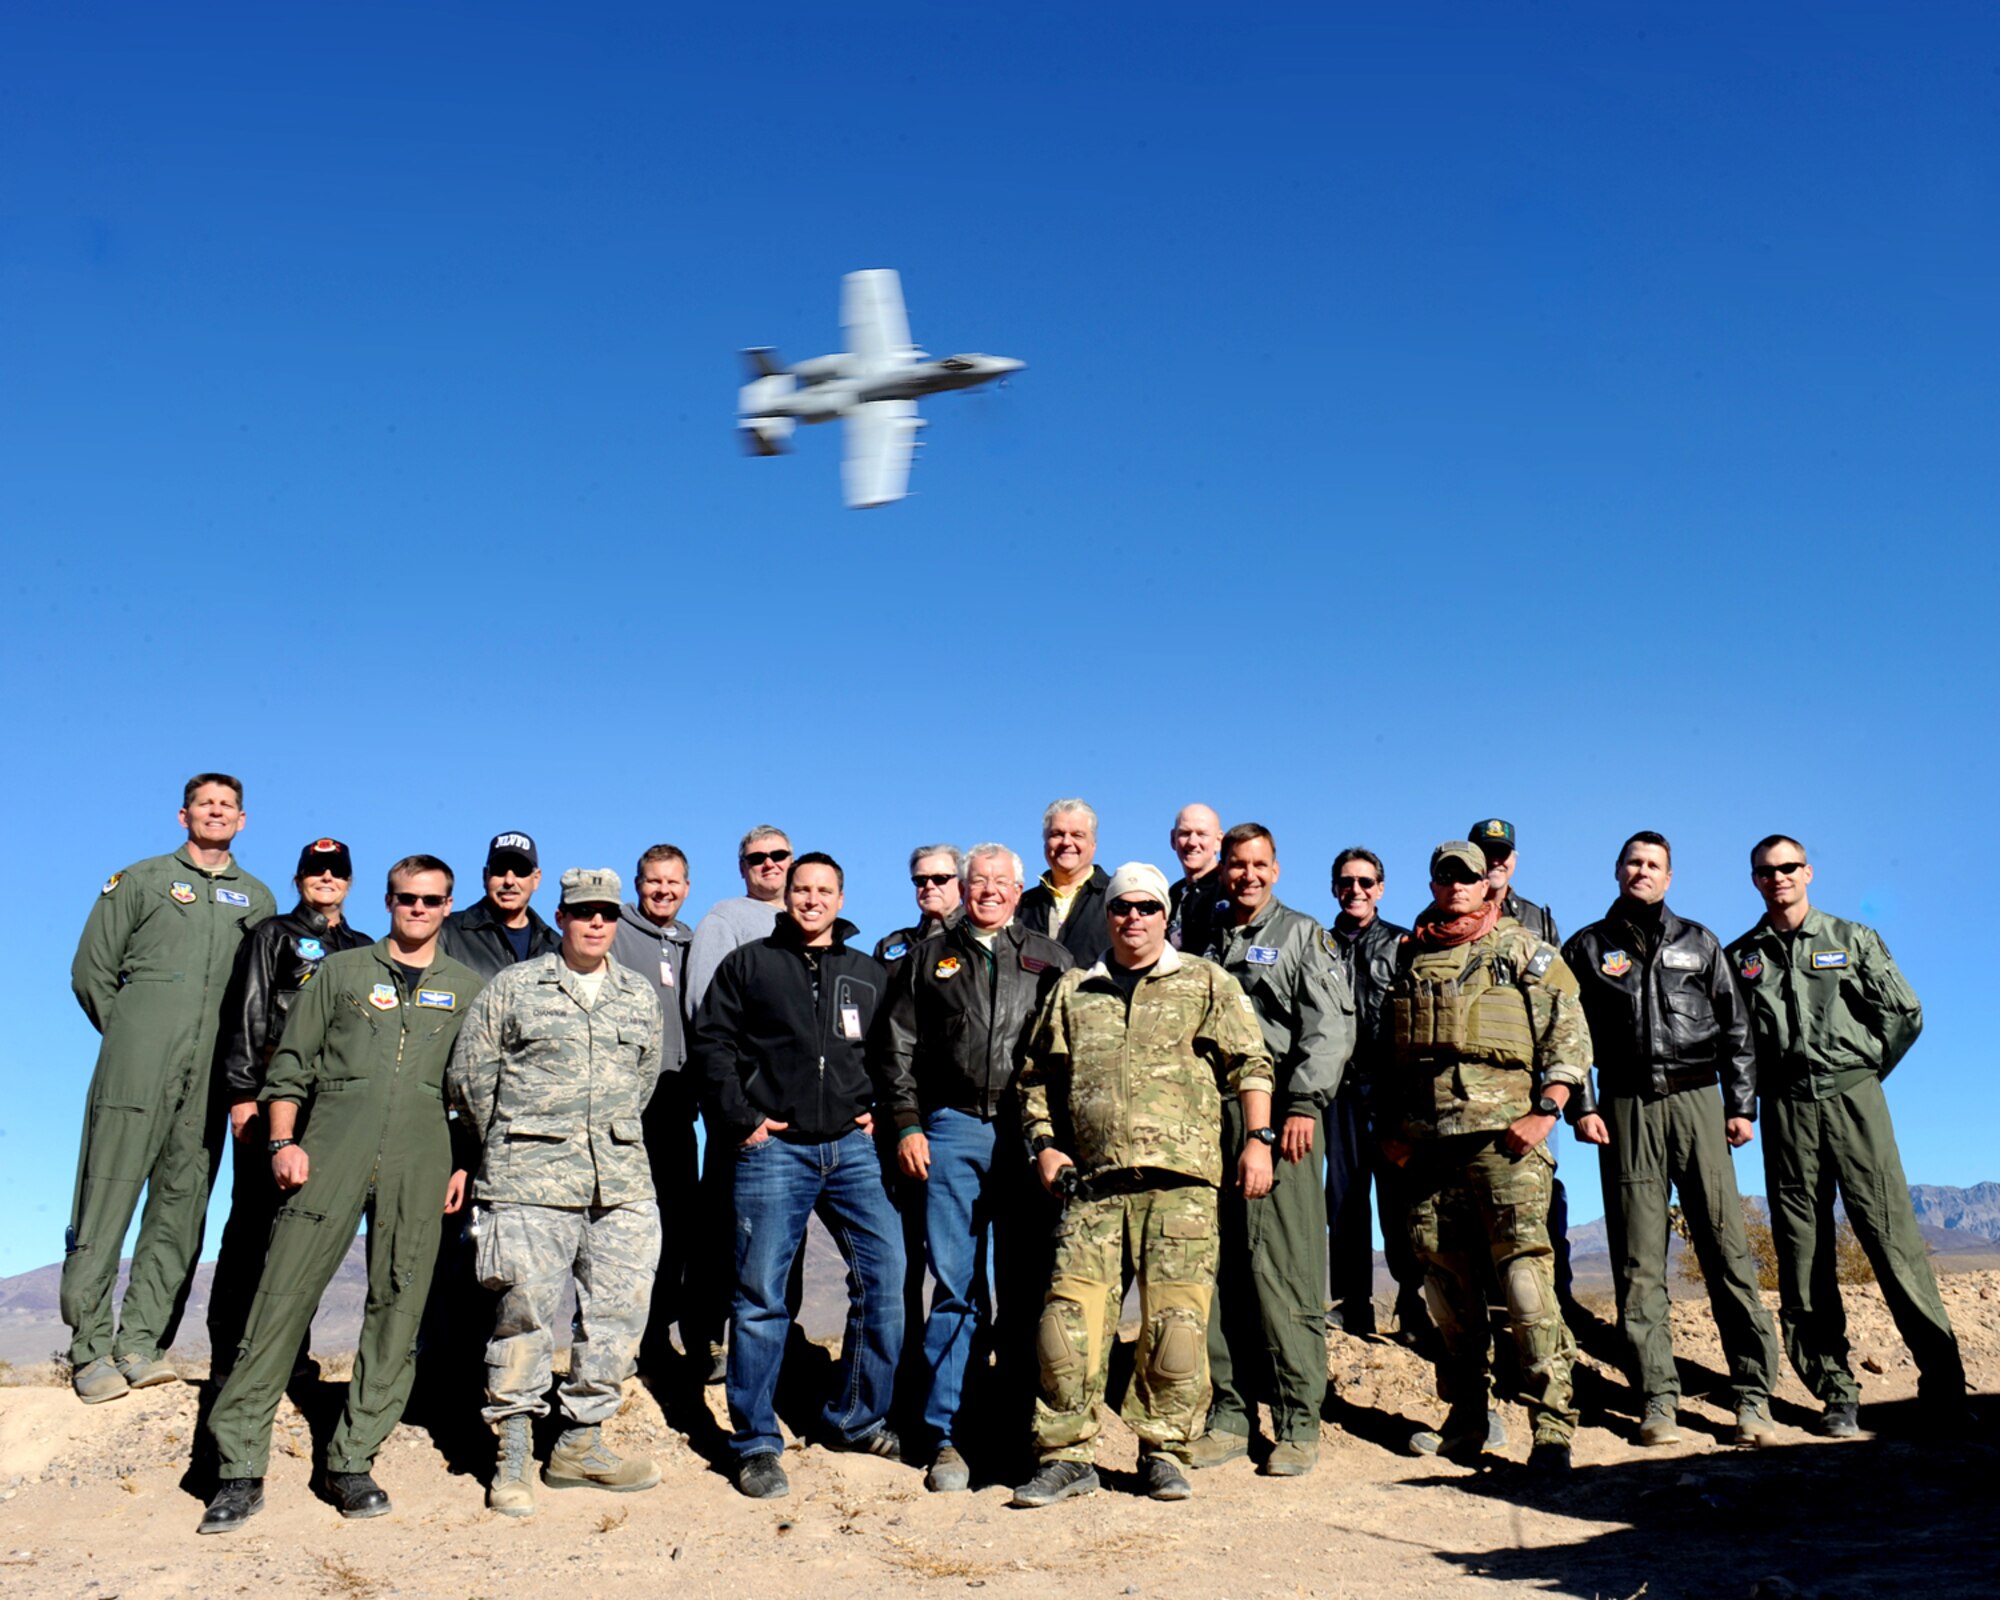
{"x": 947, "y": 967}
{"x": 1752, "y": 968}
{"x": 1615, "y": 965}
{"x": 232, "y": 897}
{"x": 1823, "y": 959}
{"x": 438, "y": 999}
{"x": 111, "y": 883}
{"x": 383, "y": 997}
{"x": 183, "y": 892}
{"x": 1263, "y": 954}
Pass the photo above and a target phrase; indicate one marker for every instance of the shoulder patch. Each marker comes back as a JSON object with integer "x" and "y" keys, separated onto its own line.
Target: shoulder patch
{"x": 311, "y": 949}
{"x": 111, "y": 883}
{"x": 896, "y": 951}
{"x": 437, "y": 999}
{"x": 1752, "y": 968}
{"x": 1243, "y": 1000}
{"x": 1543, "y": 959}
{"x": 1823, "y": 959}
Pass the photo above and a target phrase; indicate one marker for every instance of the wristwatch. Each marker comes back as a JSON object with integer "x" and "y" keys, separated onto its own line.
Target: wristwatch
{"x": 1264, "y": 1135}
{"x": 1548, "y": 1107}
{"x": 279, "y": 1144}
{"x": 1039, "y": 1143}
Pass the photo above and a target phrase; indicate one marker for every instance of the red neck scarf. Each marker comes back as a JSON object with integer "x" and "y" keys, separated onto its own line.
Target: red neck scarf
{"x": 1444, "y": 934}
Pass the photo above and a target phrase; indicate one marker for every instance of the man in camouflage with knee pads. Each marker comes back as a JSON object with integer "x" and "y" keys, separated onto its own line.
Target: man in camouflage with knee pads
{"x": 1488, "y": 1040}
{"x": 1121, "y": 1095}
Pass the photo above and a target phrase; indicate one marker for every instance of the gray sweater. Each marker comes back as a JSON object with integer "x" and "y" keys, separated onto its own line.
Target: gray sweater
{"x": 729, "y": 923}
{"x": 659, "y": 955}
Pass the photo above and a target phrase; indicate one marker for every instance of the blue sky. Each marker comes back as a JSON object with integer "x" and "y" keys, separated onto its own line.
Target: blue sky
{"x": 1582, "y": 414}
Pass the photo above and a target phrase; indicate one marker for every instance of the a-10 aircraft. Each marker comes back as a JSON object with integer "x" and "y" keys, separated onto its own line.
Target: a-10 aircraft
{"x": 873, "y": 387}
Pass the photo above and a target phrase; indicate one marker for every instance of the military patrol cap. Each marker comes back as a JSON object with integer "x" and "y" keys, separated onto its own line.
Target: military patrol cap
{"x": 1493, "y": 835}
{"x": 591, "y": 886}
{"x": 325, "y": 855}
{"x": 1138, "y": 877}
{"x": 512, "y": 847}
{"x": 1467, "y": 854}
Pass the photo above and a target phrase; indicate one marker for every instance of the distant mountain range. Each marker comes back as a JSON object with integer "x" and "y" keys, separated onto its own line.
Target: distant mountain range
{"x": 1952, "y": 1221}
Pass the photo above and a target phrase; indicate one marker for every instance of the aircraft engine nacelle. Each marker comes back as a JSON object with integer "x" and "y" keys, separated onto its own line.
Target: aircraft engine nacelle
{"x": 763, "y": 433}
{"x": 820, "y": 369}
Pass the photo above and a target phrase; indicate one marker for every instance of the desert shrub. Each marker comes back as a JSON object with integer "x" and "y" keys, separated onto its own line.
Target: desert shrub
{"x": 1850, "y": 1260}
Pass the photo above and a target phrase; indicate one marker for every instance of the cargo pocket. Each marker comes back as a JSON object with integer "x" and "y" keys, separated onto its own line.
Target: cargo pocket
{"x": 489, "y": 1258}
{"x": 1186, "y": 1249}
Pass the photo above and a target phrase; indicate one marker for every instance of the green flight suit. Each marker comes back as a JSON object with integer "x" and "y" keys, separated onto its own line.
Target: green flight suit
{"x": 364, "y": 1055}
{"x": 1832, "y": 1016}
{"x": 1267, "y": 1337}
{"x": 149, "y": 972}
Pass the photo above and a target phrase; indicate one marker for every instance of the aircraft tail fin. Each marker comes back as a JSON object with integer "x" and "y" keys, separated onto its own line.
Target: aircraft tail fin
{"x": 762, "y": 360}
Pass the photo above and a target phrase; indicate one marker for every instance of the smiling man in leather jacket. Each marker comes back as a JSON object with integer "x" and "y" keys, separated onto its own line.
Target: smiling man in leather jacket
{"x": 1677, "y": 1090}
{"x": 959, "y": 1011}
{"x": 273, "y": 964}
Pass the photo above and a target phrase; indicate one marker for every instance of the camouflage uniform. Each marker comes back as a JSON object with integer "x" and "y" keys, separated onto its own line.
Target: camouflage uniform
{"x": 1131, "y": 1091}
{"x": 555, "y": 1086}
{"x": 1477, "y": 1031}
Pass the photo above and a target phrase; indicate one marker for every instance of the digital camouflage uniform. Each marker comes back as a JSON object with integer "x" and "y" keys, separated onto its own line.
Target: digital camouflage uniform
{"x": 555, "y": 1088}
{"x": 364, "y": 1057}
{"x": 1832, "y": 1016}
{"x": 1132, "y": 1093}
{"x": 150, "y": 972}
{"x": 1267, "y": 1339}
{"x": 1476, "y": 1031}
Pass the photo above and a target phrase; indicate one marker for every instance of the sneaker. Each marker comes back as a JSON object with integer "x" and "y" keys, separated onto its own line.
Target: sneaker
{"x": 1549, "y": 1458}
{"x": 1466, "y": 1435}
{"x": 1840, "y": 1420}
{"x": 582, "y": 1460}
{"x": 235, "y": 1503}
{"x": 1164, "y": 1479}
{"x": 142, "y": 1372}
{"x": 1215, "y": 1447}
{"x": 1753, "y": 1423}
{"x": 1291, "y": 1458}
{"x": 882, "y": 1442}
{"x": 1057, "y": 1480}
{"x": 356, "y": 1494}
{"x": 98, "y": 1381}
{"x": 1661, "y": 1422}
{"x": 949, "y": 1474}
{"x": 761, "y": 1478}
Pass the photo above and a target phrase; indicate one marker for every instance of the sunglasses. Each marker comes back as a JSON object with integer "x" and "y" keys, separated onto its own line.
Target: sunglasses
{"x": 598, "y": 913}
{"x": 1344, "y": 884}
{"x": 403, "y": 897}
{"x": 931, "y": 880}
{"x": 756, "y": 858}
{"x": 1777, "y": 869}
{"x": 1457, "y": 874}
{"x": 1136, "y": 908}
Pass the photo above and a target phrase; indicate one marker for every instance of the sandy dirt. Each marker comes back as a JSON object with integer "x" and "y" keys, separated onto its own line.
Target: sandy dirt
{"x": 100, "y": 1502}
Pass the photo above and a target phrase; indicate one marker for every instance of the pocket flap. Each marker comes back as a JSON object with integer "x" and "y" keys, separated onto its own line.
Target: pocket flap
{"x": 537, "y": 1128}
{"x": 627, "y": 1131}
{"x": 1186, "y": 1228}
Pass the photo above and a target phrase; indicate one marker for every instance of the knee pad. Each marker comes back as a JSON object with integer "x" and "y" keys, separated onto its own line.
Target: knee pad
{"x": 1177, "y": 1346}
{"x": 1063, "y": 1349}
{"x": 1526, "y": 1302}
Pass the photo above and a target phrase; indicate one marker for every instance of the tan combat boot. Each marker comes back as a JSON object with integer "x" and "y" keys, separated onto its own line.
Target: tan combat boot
{"x": 512, "y": 1492}
{"x": 582, "y": 1460}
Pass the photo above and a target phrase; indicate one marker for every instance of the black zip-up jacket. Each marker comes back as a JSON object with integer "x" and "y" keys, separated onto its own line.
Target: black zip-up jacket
{"x": 770, "y": 1042}
{"x": 273, "y": 963}
{"x": 477, "y": 938}
{"x": 1086, "y": 936}
{"x": 957, "y": 1020}
{"x": 1664, "y": 1011}
{"x": 1369, "y": 960}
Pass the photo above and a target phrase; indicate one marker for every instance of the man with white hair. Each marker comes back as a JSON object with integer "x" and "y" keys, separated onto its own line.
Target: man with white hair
{"x": 1068, "y": 904}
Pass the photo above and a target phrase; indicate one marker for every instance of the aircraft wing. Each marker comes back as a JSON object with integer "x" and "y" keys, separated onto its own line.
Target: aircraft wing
{"x": 872, "y": 316}
{"x": 881, "y": 436}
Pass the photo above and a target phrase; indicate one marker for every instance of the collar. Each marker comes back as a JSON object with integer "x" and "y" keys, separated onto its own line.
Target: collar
{"x": 185, "y": 856}
{"x": 1170, "y": 961}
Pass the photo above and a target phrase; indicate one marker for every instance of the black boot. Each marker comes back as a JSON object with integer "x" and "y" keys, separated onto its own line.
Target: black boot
{"x": 235, "y": 1503}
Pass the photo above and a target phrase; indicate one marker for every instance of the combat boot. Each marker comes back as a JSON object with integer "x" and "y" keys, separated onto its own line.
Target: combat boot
{"x": 1164, "y": 1478}
{"x": 1840, "y": 1420}
{"x": 141, "y": 1373}
{"x": 1291, "y": 1458}
{"x": 512, "y": 1491}
{"x": 1468, "y": 1433}
{"x": 1217, "y": 1446}
{"x": 1661, "y": 1424}
{"x": 582, "y": 1460}
{"x": 235, "y": 1503}
{"x": 1753, "y": 1424}
{"x": 98, "y": 1381}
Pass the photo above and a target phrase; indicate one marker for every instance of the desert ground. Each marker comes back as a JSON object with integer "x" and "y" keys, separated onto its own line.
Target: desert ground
{"x": 102, "y": 1502}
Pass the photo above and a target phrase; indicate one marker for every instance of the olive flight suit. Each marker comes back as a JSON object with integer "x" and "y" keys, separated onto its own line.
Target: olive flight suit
{"x": 364, "y": 1055}
{"x": 150, "y": 972}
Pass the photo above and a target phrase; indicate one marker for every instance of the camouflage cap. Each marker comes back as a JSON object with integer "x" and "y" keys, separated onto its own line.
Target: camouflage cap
{"x": 1138, "y": 877}
{"x": 1467, "y": 854}
{"x": 591, "y": 886}
{"x": 1494, "y": 835}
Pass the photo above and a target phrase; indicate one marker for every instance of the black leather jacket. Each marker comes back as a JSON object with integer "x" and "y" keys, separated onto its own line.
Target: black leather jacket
{"x": 272, "y": 966}
{"x": 477, "y": 937}
{"x": 958, "y": 1019}
{"x": 1086, "y": 936}
{"x": 1664, "y": 1011}
{"x": 1369, "y": 960}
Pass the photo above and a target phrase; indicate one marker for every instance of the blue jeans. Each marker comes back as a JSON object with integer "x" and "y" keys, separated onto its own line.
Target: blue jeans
{"x": 778, "y": 1187}
{"x": 958, "y": 1207}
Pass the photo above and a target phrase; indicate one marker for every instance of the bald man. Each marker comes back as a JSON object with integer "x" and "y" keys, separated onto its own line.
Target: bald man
{"x": 1196, "y": 901}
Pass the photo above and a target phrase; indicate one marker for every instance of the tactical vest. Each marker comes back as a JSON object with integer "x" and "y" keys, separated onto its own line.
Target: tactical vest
{"x": 1465, "y": 1007}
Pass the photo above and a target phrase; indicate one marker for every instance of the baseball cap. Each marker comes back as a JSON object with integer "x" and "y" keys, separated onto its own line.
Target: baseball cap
{"x": 1467, "y": 854}
{"x": 1138, "y": 877}
{"x": 1493, "y": 835}
{"x": 325, "y": 855}
{"x": 512, "y": 847}
{"x": 591, "y": 886}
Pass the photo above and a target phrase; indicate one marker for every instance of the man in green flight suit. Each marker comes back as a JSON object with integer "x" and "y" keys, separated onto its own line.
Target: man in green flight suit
{"x": 1832, "y": 1016}
{"x": 354, "y": 1100}
{"x": 1121, "y": 1090}
{"x": 150, "y": 973}
{"x": 1488, "y": 1042}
